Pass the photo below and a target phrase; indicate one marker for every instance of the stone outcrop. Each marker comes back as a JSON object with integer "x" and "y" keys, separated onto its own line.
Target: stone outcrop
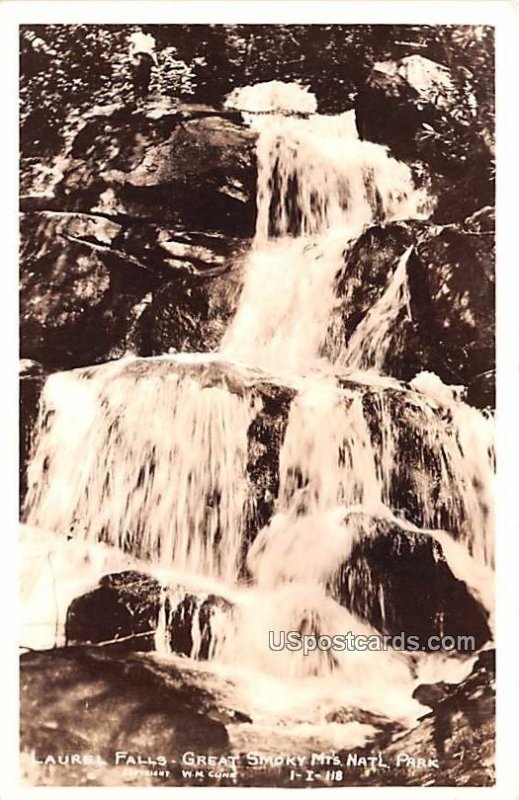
{"x": 455, "y": 739}
{"x": 94, "y": 700}
{"x": 191, "y": 166}
{"x": 127, "y": 607}
{"x": 140, "y": 215}
{"x": 93, "y": 289}
{"x": 449, "y": 326}
{"x": 124, "y": 606}
{"x": 425, "y": 115}
{"x": 441, "y": 604}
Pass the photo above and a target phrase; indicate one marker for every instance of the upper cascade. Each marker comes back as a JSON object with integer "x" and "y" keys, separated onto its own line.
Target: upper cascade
{"x": 308, "y": 182}
{"x": 313, "y": 170}
{"x": 319, "y": 187}
{"x": 273, "y": 96}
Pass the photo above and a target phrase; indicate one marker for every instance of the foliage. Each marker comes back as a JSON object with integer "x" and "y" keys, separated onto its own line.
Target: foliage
{"x": 66, "y": 69}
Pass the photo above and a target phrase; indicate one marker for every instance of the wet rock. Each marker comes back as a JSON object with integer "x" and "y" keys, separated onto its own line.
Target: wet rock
{"x": 486, "y": 660}
{"x": 449, "y": 326}
{"x": 386, "y": 728}
{"x": 124, "y": 606}
{"x": 139, "y": 213}
{"x": 431, "y": 694}
{"x": 194, "y": 625}
{"x": 354, "y": 714}
{"x": 452, "y": 287}
{"x": 93, "y": 289}
{"x": 266, "y": 435}
{"x": 93, "y": 700}
{"x": 192, "y": 312}
{"x": 458, "y": 734}
{"x": 387, "y": 567}
{"x": 75, "y": 294}
{"x": 368, "y": 268}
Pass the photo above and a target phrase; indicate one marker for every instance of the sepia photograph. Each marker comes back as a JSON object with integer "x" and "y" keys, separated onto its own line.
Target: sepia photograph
{"x": 257, "y": 403}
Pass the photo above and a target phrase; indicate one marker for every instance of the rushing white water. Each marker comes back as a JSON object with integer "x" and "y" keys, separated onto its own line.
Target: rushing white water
{"x": 468, "y": 462}
{"x": 319, "y": 186}
{"x": 373, "y": 337}
{"x": 309, "y": 182}
{"x": 285, "y": 305}
{"x": 151, "y": 457}
{"x": 152, "y": 462}
{"x": 273, "y": 96}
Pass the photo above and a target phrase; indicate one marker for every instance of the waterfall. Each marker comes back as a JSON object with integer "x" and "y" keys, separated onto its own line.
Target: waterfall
{"x": 319, "y": 186}
{"x": 152, "y": 456}
{"x": 373, "y": 337}
{"x": 162, "y": 455}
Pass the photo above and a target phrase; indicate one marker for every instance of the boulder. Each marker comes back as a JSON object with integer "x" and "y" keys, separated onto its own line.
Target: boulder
{"x": 189, "y": 166}
{"x": 266, "y": 436}
{"x": 93, "y": 700}
{"x": 388, "y": 566}
{"x": 93, "y": 289}
{"x": 459, "y": 733}
{"x": 124, "y": 606}
{"x": 369, "y": 266}
{"x": 76, "y": 294}
{"x": 191, "y": 313}
{"x": 448, "y": 326}
{"x": 193, "y": 624}
{"x": 426, "y": 116}
{"x": 452, "y": 284}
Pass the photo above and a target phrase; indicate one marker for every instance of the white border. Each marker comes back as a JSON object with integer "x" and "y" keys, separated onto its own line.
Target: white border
{"x": 504, "y": 16}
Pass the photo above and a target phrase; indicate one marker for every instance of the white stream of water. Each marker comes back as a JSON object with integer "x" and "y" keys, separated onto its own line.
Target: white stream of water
{"x": 150, "y": 456}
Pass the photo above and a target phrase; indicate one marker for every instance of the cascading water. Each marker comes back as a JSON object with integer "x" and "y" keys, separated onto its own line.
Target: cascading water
{"x": 169, "y": 485}
{"x": 152, "y": 456}
{"x": 373, "y": 337}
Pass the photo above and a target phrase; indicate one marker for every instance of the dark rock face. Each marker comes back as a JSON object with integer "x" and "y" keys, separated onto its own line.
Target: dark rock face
{"x": 453, "y": 745}
{"x": 419, "y": 469}
{"x": 92, "y": 700}
{"x": 75, "y": 293}
{"x": 428, "y": 122}
{"x": 124, "y": 611}
{"x": 194, "y": 617}
{"x": 265, "y": 436}
{"x": 191, "y": 313}
{"x": 368, "y": 268}
{"x": 462, "y": 720}
{"x": 387, "y": 569}
{"x": 453, "y": 300}
{"x": 93, "y": 289}
{"x": 140, "y": 216}
{"x": 124, "y": 606}
{"x": 187, "y": 166}
{"x": 450, "y": 329}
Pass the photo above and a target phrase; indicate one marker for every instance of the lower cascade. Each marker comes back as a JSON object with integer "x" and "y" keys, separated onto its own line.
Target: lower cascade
{"x": 257, "y": 486}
